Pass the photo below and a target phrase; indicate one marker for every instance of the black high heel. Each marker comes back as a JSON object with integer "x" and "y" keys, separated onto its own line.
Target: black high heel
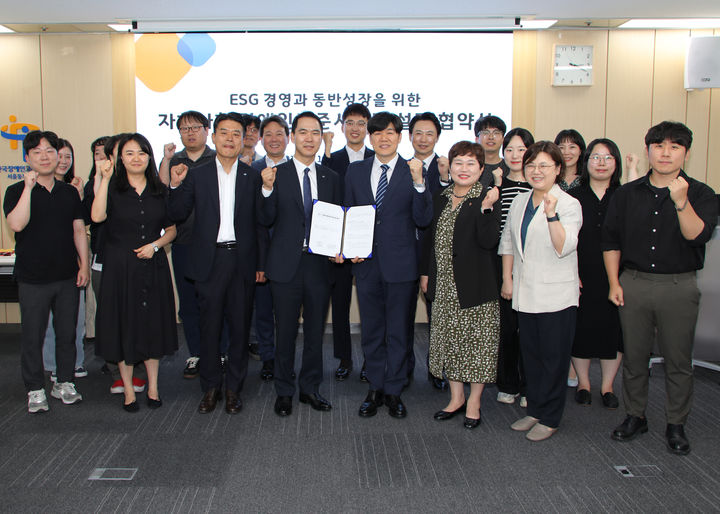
{"x": 443, "y": 415}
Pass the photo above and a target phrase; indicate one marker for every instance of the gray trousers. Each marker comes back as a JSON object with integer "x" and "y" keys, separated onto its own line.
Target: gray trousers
{"x": 665, "y": 307}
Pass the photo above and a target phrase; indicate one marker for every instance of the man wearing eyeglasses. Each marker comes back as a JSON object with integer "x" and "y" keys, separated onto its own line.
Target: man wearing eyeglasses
{"x": 193, "y": 128}
{"x": 489, "y": 133}
{"x": 226, "y": 255}
{"x": 355, "y": 118}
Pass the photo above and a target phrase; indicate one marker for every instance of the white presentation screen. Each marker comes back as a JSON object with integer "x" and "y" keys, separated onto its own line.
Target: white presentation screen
{"x": 457, "y": 76}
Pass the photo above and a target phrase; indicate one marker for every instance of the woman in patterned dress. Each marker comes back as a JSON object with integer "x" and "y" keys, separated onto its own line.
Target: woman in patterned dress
{"x": 458, "y": 275}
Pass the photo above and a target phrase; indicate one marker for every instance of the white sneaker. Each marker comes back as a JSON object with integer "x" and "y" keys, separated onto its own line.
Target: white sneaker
{"x": 523, "y": 402}
{"x": 506, "y": 398}
{"x": 37, "y": 401}
{"x": 572, "y": 382}
{"x": 66, "y": 392}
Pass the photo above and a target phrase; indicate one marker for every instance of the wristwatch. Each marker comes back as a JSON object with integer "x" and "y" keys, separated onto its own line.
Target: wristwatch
{"x": 554, "y": 218}
{"x": 155, "y": 247}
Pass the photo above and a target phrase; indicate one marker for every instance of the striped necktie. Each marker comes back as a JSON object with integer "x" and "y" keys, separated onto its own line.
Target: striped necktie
{"x": 382, "y": 185}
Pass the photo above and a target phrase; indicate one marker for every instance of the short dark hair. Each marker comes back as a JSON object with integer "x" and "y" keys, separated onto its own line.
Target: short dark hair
{"x": 575, "y": 138}
{"x": 383, "y": 120}
{"x": 488, "y": 122}
{"x": 306, "y": 114}
{"x": 277, "y": 119}
{"x": 112, "y": 141}
{"x": 251, "y": 119}
{"x": 614, "y": 151}
{"x": 467, "y": 148}
{"x": 70, "y": 174}
{"x": 549, "y": 148}
{"x": 356, "y": 109}
{"x": 426, "y": 116}
{"x": 675, "y": 131}
{"x": 98, "y": 142}
{"x": 120, "y": 176}
{"x": 193, "y": 115}
{"x": 232, "y": 116}
{"x": 32, "y": 139}
{"x": 524, "y": 134}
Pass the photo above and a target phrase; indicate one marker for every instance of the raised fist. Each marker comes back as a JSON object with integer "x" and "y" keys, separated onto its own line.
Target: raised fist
{"x": 268, "y": 178}
{"x": 178, "y": 174}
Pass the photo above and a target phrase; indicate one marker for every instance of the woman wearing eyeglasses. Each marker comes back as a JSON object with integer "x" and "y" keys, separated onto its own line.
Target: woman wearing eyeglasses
{"x": 598, "y": 334}
{"x": 540, "y": 275}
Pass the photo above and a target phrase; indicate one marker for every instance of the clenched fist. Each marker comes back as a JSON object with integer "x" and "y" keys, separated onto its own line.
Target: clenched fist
{"x": 268, "y": 178}
{"x": 178, "y": 174}
{"x": 549, "y": 204}
{"x": 444, "y": 168}
{"x": 30, "y": 179}
{"x": 105, "y": 168}
{"x": 416, "y": 167}
{"x": 490, "y": 198}
{"x": 169, "y": 150}
{"x": 678, "y": 192}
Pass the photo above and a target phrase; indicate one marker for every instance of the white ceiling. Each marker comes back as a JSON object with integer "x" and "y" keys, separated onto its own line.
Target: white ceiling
{"x": 386, "y": 14}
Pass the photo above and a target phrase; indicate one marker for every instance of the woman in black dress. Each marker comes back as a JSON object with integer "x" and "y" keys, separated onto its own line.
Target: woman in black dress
{"x": 598, "y": 334}
{"x": 136, "y": 307}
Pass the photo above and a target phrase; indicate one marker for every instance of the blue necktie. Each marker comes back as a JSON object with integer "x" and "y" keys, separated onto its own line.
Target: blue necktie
{"x": 382, "y": 185}
{"x": 307, "y": 203}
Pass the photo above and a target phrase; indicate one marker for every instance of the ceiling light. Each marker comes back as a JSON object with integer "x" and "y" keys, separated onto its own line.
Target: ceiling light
{"x": 674, "y": 23}
{"x": 4, "y": 29}
{"x": 121, "y": 27}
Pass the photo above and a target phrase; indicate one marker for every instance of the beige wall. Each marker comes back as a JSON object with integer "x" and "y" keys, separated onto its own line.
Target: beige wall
{"x": 83, "y": 86}
{"x": 79, "y": 86}
{"x": 638, "y": 82}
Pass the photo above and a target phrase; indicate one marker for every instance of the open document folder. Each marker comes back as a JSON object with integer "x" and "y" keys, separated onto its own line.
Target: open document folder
{"x": 347, "y": 231}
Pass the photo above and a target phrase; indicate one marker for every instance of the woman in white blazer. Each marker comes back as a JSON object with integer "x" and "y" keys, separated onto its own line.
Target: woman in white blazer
{"x": 540, "y": 275}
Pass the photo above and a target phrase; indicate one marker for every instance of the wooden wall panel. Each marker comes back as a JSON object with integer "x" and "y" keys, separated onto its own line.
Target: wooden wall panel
{"x": 582, "y": 107}
{"x": 123, "y": 83}
{"x": 524, "y": 79}
{"x": 76, "y": 70}
{"x": 669, "y": 95}
{"x": 629, "y": 90}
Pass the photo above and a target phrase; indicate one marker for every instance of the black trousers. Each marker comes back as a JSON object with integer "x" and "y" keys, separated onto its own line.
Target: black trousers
{"x": 225, "y": 296}
{"x": 545, "y": 342}
{"x": 341, "y": 296}
{"x": 309, "y": 292}
{"x": 510, "y": 372}
{"x": 36, "y": 302}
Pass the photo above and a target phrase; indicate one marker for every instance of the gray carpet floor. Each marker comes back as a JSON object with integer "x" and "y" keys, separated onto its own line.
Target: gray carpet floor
{"x": 94, "y": 457}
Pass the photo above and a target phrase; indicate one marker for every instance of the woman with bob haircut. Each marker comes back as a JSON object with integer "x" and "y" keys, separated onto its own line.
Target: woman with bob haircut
{"x": 458, "y": 276}
{"x": 136, "y": 307}
{"x": 538, "y": 247}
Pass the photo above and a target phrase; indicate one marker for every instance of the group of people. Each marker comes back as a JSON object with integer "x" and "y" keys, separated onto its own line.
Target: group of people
{"x": 531, "y": 255}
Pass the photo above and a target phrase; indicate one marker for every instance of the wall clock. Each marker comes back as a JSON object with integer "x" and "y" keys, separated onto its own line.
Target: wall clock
{"x": 572, "y": 65}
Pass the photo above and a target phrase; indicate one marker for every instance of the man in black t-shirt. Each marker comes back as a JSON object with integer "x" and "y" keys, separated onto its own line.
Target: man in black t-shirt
{"x": 51, "y": 263}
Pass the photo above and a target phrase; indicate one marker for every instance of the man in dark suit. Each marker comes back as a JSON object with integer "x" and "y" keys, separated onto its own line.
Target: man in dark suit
{"x": 355, "y": 118}
{"x": 424, "y": 132}
{"x": 299, "y": 280}
{"x": 274, "y": 134}
{"x": 225, "y": 255}
{"x": 386, "y": 282}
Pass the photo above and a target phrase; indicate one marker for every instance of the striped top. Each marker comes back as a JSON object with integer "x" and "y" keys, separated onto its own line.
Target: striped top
{"x": 508, "y": 191}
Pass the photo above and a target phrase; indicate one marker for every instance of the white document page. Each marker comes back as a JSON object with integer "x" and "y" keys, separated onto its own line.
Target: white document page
{"x": 326, "y": 229}
{"x": 359, "y": 231}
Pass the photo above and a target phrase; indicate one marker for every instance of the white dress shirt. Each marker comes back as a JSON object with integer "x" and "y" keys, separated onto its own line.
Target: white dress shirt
{"x": 355, "y": 156}
{"x": 226, "y": 187}
{"x": 271, "y": 164}
{"x": 376, "y": 172}
{"x": 300, "y": 168}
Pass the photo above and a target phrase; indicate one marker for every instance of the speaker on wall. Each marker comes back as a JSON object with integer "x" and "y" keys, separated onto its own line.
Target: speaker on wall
{"x": 702, "y": 65}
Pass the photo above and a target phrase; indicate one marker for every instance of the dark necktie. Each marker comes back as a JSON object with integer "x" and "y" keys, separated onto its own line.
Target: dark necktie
{"x": 307, "y": 203}
{"x": 382, "y": 185}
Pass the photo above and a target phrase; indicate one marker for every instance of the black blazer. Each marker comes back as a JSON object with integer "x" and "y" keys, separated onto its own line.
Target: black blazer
{"x": 283, "y": 209}
{"x": 474, "y": 246}
{"x": 200, "y": 190}
{"x": 339, "y": 162}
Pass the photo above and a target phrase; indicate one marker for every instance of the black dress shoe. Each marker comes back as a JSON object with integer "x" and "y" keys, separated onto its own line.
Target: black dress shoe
{"x": 471, "y": 423}
{"x": 209, "y": 401}
{"x": 283, "y": 405}
{"x": 131, "y": 407}
{"x": 630, "y": 428}
{"x": 442, "y": 415}
{"x": 154, "y": 404}
{"x": 396, "y": 408}
{"x": 363, "y": 374}
{"x": 583, "y": 397}
{"x": 254, "y": 351}
{"x": 610, "y": 401}
{"x": 438, "y": 383}
{"x": 268, "y": 370}
{"x": 343, "y": 370}
{"x": 373, "y": 400}
{"x": 315, "y": 401}
{"x": 677, "y": 440}
{"x": 233, "y": 403}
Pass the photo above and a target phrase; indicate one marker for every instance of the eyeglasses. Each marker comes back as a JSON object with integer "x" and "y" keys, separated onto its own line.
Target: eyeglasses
{"x": 491, "y": 133}
{"x": 190, "y": 128}
{"x": 358, "y": 124}
{"x": 544, "y": 167}
{"x": 596, "y": 158}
